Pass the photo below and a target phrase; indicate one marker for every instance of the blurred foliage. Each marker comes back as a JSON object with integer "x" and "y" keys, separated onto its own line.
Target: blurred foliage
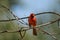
{"x": 16, "y": 2}
{"x": 12, "y": 25}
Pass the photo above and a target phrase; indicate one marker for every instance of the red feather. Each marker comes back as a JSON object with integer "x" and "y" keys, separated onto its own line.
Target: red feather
{"x": 32, "y": 22}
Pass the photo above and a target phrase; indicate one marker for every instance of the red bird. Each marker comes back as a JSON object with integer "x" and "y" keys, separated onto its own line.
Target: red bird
{"x": 32, "y": 22}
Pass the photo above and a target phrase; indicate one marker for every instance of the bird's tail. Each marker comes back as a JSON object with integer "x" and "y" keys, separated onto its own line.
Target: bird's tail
{"x": 34, "y": 32}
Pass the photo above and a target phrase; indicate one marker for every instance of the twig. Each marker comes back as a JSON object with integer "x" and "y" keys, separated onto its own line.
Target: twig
{"x": 27, "y": 17}
{"x": 16, "y": 18}
{"x": 45, "y": 32}
{"x": 45, "y": 24}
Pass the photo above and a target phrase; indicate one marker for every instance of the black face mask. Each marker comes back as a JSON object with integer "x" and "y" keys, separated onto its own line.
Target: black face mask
{"x": 32, "y": 16}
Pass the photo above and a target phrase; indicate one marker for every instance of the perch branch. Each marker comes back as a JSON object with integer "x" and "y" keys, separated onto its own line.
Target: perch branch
{"x": 27, "y": 28}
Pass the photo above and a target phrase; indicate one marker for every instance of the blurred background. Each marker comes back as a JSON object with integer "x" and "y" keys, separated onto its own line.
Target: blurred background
{"x": 23, "y": 8}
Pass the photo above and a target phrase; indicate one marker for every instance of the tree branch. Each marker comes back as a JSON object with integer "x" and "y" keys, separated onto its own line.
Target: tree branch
{"x": 27, "y": 17}
{"x": 27, "y": 28}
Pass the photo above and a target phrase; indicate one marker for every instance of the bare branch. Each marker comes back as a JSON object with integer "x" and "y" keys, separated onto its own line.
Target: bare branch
{"x": 26, "y": 28}
{"x": 27, "y": 17}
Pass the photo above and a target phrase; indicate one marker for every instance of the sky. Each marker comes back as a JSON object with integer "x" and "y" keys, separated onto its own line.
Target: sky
{"x": 35, "y": 6}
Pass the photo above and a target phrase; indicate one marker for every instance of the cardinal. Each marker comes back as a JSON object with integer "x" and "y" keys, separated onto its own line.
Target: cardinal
{"x": 32, "y": 23}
